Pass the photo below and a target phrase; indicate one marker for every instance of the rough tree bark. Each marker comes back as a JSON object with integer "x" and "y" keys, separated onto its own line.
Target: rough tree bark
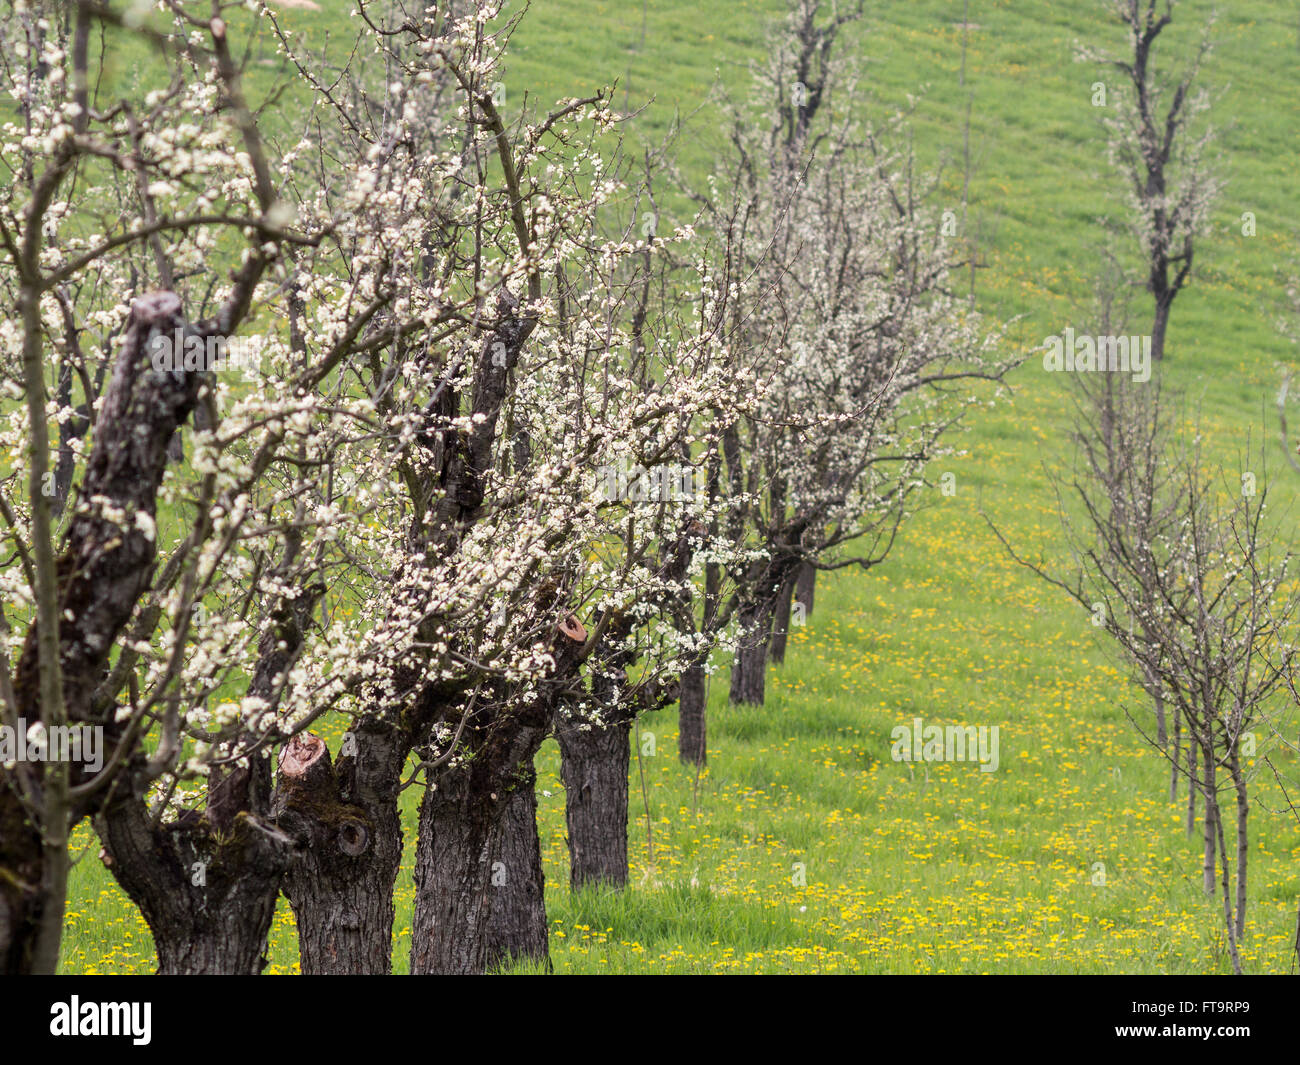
{"x": 749, "y": 667}
{"x": 340, "y": 883}
{"x": 460, "y": 825}
{"x": 453, "y": 878}
{"x": 208, "y": 896}
{"x": 692, "y": 728}
{"x": 517, "y": 928}
{"x": 347, "y": 823}
{"x": 594, "y": 765}
{"x": 207, "y": 884}
{"x": 102, "y": 573}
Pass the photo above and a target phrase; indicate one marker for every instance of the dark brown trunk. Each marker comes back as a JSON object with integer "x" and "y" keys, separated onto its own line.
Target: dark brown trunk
{"x": 749, "y": 667}
{"x": 1159, "y": 327}
{"x": 461, "y": 822}
{"x": 22, "y": 904}
{"x": 230, "y": 857}
{"x": 781, "y": 620}
{"x": 340, "y": 883}
{"x": 692, "y": 729}
{"x": 99, "y": 588}
{"x": 207, "y": 897}
{"x": 804, "y": 588}
{"x": 594, "y": 764}
{"x": 453, "y": 877}
{"x": 517, "y": 929}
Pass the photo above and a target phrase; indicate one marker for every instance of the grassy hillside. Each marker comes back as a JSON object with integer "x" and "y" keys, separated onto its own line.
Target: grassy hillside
{"x": 954, "y": 870}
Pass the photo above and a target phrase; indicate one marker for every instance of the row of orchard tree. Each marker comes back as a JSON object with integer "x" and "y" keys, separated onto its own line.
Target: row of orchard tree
{"x": 461, "y": 322}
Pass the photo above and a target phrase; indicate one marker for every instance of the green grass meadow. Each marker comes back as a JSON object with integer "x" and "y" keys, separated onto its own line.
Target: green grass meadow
{"x": 804, "y": 847}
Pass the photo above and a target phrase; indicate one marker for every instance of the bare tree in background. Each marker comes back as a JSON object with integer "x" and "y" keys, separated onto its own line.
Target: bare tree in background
{"x": 1121, "y": 438}
{"x": 1176, "y": 567}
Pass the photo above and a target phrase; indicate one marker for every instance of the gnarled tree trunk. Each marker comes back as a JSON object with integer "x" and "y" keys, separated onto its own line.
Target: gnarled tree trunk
{"x": 594, "y": 765}
{"x": 208, "y": 884}
{"x": 208, "y": 898}
{"x": 517, "y": 928}
{"x": 461, "y": 819}
{"x": 453, "y": 877}
{"x": 340, "y": 883}
{"x": 101, "y": 574}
